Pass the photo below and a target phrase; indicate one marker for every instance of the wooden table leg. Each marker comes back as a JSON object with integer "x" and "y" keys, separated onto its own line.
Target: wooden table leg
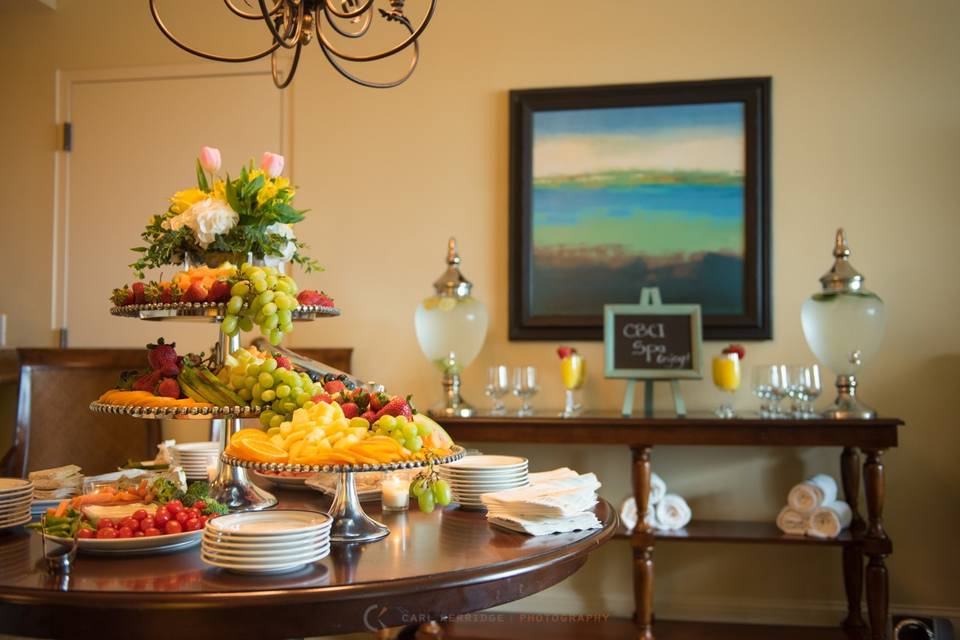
{"x": 642, "y": 544}
{"x": 852, "y": 555}
{"x": 877, "y": 545}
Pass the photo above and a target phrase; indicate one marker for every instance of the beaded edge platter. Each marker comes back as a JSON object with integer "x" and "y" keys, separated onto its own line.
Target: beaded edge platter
{"x": 458, "y": 452}
{"x": 211, "y": 311}
{"x": 159, "y": 413}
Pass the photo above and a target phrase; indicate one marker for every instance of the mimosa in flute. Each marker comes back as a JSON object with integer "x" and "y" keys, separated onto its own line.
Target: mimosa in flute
{"x": 573, "y": 371}
{"x": 726, "y": 376}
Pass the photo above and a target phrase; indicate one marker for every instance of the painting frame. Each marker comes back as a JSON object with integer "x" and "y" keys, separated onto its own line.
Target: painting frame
{"x": 755, "y": 321}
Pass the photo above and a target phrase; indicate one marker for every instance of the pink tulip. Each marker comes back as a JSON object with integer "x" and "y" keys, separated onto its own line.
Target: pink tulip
{"x": 272, "y": 164}
{"x": 210, "y": 159}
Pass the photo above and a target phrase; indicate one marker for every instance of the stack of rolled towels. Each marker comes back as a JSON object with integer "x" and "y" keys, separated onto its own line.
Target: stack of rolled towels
{"x": 557, "y": 501}
{"x": 666, "y": 511}
{"x": 814, "y": 510}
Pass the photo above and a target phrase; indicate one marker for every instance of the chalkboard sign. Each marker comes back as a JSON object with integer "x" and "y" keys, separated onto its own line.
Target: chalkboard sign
{"x": 652, "y": 341}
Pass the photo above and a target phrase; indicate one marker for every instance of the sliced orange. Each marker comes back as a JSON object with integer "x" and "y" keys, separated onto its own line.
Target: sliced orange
{"x": 260, "y": 450}
{"x": 245, "y": 434}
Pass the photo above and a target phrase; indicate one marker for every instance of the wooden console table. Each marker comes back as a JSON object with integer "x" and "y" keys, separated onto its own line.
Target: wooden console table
{"x": 866, "y": 538}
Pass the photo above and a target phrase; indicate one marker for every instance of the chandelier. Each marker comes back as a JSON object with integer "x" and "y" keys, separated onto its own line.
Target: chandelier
{"x": 294, "y": 23}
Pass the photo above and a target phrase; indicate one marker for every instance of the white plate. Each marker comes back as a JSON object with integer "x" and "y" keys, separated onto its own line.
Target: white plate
{"x": 284, "y": 522}
{"x": 135, "y": 545}
{"x": 264, "y": 568}
{"x": 509, "y": 473}
{"x": 265, "y": 556}
{"x": 14, "y": 484}
{"x": 197, "y": 446}
{"x": 290, "y": 558}
{"x": 488, "y": 462}
{"x": 17, "y": 497}
{"x": 513, "y": 482}
{"x": 16, "y": 523}
{"x": 245, "y": 542}
{"x": 14, "y": 513}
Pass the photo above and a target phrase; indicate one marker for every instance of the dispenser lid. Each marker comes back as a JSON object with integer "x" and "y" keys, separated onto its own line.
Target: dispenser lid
{"x": 842, "y": 276}
{"x": 452, "y": 282}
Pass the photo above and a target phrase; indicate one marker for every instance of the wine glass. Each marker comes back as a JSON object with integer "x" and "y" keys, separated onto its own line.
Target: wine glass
{"x": 796, "y": 376}
{"x": 726, "y": 377}
{"x": 572, "y": 373}
{"x": 770, "y": 380}
{"x": 525, "y": 387}
{"x": 498, "y": 385}
{"x": 810, "y": 383}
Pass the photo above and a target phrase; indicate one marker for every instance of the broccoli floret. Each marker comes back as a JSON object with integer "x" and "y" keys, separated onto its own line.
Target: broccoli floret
{"x": 214, "y": 507}
{"x": 165, "y": 490}
{"x": 196, "y": 491}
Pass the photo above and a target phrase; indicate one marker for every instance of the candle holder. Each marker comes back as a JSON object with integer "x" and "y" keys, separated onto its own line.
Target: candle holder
{"x": 395, "y": 492}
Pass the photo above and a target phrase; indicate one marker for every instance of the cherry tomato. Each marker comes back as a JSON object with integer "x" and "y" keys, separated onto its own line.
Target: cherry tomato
{"x": 192, "y": 524}
{"x": 161, "y": 520}
{"x": 174, "y": 506}
{"x": 138, "y": 534}
{"x": 124, "y": 532}
{"x": 146, "y": 523}
{"x": 203, "y": 521}
{"x": 105, "y": 523}
{"x": 139, "y": 514}
{"x": 130, "y": 523}
{"x": 107, "y": 532}
{"x": 182, "y": 517}
{"x": 193, "y": 512}
{"x": 199, "y": 505}
{"x": 173, "y": 527}
{"x": 151, "y": 531}
{"x": 85, "y": 533}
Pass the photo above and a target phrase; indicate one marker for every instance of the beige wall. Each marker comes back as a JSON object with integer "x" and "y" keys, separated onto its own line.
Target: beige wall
{"x": 865, "y": 135}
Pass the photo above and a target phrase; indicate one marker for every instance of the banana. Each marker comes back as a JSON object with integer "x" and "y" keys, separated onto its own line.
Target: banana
{"x": 215, "y": 382}
{"x": 189, "y": 390}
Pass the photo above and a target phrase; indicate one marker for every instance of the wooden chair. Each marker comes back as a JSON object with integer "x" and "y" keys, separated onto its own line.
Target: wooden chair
{"x": 54, "y": 424}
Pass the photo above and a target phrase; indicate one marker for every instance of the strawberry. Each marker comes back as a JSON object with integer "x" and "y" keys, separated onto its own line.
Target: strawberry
{"x": 369, "y": 416}
{"x": 119, "y": 297}
{"x": 334, "y": 386}
{"x": 283, "y": 362}
{"x": 323, "y": 397}
{"x": 396, "y": 407}
{"x": 737, "y": 349}
{"x": 163, "y": 357}
{"x": 195, "y": 293}
{"x": 152, "y": 292}
{"x": 350, "y": 410}
{"x": 565, "y": 352}
{"x": 139, "y": 294}
{"x": 169, "y": 388}
{"x": 314, "y": 298}
{"x": 378, "y": 400}
{"x": 148, "y": 381}
{"x": 362, "y": 399}
{"x": 166, "y": 296}
{"x": 219, "y": 291}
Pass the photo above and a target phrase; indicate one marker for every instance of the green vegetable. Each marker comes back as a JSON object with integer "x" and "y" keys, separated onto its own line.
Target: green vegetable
{"x": 165, "y": 490}
{"x": 214, "y": 507}
{"x": 61, "y": 527}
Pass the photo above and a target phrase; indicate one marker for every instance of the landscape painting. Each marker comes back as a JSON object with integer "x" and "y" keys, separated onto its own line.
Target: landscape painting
{"x": 619, "y": 198}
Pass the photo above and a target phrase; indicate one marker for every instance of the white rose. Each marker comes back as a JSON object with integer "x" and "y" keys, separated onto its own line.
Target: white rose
{"x": 177, "y": 222}
{"x": 290, "y": 248}
{"x": 210, "y": 217}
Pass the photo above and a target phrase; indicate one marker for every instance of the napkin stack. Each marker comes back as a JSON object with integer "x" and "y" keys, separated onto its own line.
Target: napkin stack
{"x": 557, "y": 501}
{"x": 813, "y": 509}
{"x": 664, "y": 510}
{"x": 57, "y": 483}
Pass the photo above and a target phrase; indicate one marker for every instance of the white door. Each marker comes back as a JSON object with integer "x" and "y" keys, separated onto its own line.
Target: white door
{"x": 136, "y": 135}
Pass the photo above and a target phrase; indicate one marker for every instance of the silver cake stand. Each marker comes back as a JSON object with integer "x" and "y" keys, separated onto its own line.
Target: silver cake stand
{"x": 350, "y": 523}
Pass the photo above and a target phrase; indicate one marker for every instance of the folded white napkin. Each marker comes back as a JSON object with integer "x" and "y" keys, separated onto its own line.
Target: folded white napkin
{"x": 558, "y": 498}
{"x": 556, "y": 474}
{"x": 658, "y": 489}
{"x": 544, "y": 526}
{"x": 810, "y": 494}
{"x": 673, "y": 512}
{"x": 792, "y": 522}
{"x": 828, "y": 520}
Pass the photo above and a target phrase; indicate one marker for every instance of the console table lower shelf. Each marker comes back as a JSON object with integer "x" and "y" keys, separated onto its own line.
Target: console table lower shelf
{"x": 865, "y": 545}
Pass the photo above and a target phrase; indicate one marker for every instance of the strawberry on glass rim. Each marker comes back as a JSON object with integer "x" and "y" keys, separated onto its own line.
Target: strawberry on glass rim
{"x": 735, "y": 349}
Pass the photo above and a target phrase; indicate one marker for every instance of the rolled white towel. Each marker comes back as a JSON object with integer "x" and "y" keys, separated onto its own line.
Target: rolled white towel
{"x": 792, "y": 522}
{"x": 673, "y": 512}
{"x": 658, "y": 489}
{"x": 810, "y": 494}
{"x": 828, "y": 520}
{"x": 628, "y": 514}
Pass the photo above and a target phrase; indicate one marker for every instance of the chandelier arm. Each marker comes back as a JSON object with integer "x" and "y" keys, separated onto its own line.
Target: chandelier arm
{"x": 366, "y": 83}
{"x": 367, "y": 21}
{"x": 209, "y": 56}
{"x": 328, "y": 7}
{"x": 412, "y": 39}
{"x": 296, "y": 21}
{"x": 251, "y": 16}
{"x": 290, "y": 74}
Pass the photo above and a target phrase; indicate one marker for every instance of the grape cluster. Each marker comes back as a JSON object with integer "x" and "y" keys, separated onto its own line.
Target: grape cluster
{"x": 278, "y": 389}
{"x": 261, "y": 296}
{"x": 409, "y": 434}
{"x": 430, "y": 489}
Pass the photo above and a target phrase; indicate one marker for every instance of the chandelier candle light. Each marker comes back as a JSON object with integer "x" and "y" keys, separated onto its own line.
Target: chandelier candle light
{"x": 292, "y": 24}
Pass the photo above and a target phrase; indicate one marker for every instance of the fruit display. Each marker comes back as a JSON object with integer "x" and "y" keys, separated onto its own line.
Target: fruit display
{"x": 249, "y": 295}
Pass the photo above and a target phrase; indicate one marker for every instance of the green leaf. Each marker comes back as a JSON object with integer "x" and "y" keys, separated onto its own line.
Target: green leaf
{"x": 201, "y": 178}
{"x": 232, "y": 197}
{"x": 252, "y": 187}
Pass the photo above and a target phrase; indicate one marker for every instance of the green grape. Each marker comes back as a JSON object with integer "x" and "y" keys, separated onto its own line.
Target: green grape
{"x": 276, "y": 336}
{"x": 418, "y": 487}
{"x": 309, "y": 404}
{"x": 246, "y": 324}
{"x": 271, "y": 281}
{"x": 409, "y": 431}
{"x": 285, "y": 315}
{"x": 269, "y": 395}
{"x": 256, "y": 273}
{"x": 425, "y": 501}
{"x": 265, "y": 418}
{"x": 268, "y": 365}
{"x": 423, "y": 428}
{"x": 240, "y": 290}
{"x": 249, "y": 381}
{"x": 289, "y": 407}
{"x": 266, "y": 380}
{"x": 276, "y": 421}
{"x": 302, "y": 398}
{"x": 415, "y": 445}
{"x": 257, "y": 391}
{"x": 268, "y": 309}
{"x": 287, "y": 327}
{"x": 265, "y": 297}
{"x": 230, "y": 324}
{"x": 441, "y": 493}
{"x": 236, "y": 380}
{"x": 259, "y": 285}
{"x": 283, "y": 285}
{"x": 396, "y": 435}
{"x": 283, "y": 391}
{"x": 253, "y": 370}
{"x": 245, "y": 394}
{"x": 284, "y": 302}
{"x": 269, "y": 323}
{"x": 234, "y": 305}
{"x": 388, "y": 422}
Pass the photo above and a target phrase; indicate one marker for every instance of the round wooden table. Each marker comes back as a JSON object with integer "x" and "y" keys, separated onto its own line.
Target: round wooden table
{"x": 430, "y": 566}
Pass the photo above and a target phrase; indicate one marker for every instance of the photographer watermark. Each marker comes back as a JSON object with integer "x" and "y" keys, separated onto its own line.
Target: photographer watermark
{"x": 377, "y": 617}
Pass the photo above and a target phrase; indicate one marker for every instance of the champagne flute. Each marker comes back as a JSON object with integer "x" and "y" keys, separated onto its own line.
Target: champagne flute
{"x": 726, "y": 377}
{"x": 572, "y": 373}
{"x": 525, "y": 387}
{"x": 498, "y": 385}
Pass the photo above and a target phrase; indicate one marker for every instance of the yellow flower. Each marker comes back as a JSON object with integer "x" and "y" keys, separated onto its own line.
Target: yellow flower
{"x": 254, "y": 174}
{"x": 183, "y": 200}
{"x": 267, "y": 192}
{"x": 220, "y": 190}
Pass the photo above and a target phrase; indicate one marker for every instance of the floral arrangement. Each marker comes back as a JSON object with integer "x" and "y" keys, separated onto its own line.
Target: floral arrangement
{"x": 223, "y": 219}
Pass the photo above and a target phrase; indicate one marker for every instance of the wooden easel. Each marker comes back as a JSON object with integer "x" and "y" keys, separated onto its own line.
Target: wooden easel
{"x": 650, "y": 297}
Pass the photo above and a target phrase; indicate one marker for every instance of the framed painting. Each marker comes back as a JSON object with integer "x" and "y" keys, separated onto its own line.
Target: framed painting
{"x": 617, "y": 188}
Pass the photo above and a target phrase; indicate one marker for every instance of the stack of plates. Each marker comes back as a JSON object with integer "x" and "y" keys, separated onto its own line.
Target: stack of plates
{"x": 195, "y": 458}
{"x": 15, "y": 498}
{"x": 474, "y": 476}
{"x": 266, "y": 541}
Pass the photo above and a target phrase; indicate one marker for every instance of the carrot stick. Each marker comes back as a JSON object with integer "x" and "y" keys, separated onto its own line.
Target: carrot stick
{"x": 61, "y": 509}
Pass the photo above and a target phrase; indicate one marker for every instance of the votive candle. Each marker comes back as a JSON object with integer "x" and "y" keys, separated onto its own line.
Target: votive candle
{"x": 395, "y": 492}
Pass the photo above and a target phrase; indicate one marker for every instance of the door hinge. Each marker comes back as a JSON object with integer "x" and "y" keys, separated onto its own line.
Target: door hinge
{"x": 68, "y": 136}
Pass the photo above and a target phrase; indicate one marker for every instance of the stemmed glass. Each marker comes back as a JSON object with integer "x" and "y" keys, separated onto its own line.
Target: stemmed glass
{"x": 805, "y": 388}
{"x": 498, "y": 385}
{"x": 525, "y": 387}
{"x": 726, "y": 377}
{"x": 572, "y": 374}
{"x": 770, "y": 383}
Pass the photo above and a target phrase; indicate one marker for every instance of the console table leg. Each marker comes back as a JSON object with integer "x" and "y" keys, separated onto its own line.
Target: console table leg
{"x": 877, "y": 546}
{"x": 642, "y": 543}
{"x": 852, "y": 556}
